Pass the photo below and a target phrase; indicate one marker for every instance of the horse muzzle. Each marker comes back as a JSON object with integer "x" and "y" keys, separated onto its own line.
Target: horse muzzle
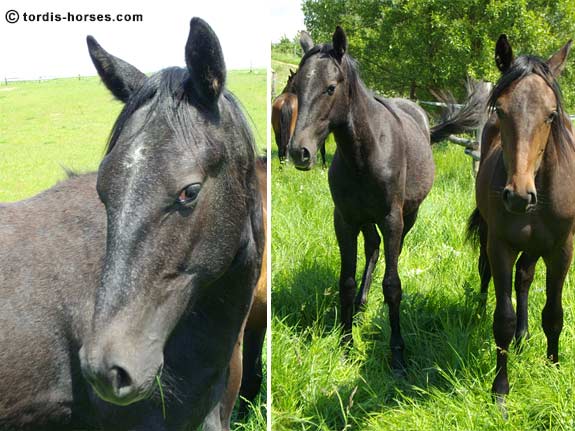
{"x": 117, "y": 378}
{"x": 519, "y": 203}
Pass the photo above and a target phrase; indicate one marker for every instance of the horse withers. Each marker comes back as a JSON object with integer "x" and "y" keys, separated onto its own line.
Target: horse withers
{"x": 381, "y": 172}
{"x": 124, "y": 294}
{"x": 524, "y": 194}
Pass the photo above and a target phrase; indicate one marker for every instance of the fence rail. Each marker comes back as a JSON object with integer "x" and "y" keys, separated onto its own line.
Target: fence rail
{"x": 7, "y": 80}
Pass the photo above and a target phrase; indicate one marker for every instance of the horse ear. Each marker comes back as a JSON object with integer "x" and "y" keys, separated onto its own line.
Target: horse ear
{"x": 556, "y": 62}
{"x": 305, "y": 41}
{"x": 339, "y": 42}
{"x": 205, "y": 61}
{"x": 121, "y": 78}
{"x": 503, "y": 54}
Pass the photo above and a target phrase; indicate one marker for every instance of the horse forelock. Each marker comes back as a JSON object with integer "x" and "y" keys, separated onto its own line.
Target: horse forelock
{"x": 522, "y": 67}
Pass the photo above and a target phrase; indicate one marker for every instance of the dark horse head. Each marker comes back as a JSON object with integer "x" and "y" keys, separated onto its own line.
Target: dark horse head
{"x": 179, "y": 185}
{"x": 527, "y": 101}
{"x": 323, "y": 83}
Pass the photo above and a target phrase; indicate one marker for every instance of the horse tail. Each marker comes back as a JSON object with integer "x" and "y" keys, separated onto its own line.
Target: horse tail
{"x": 285, "y": 121}
{"x": 475, "y": 226}
{"x": 467, "y": 118}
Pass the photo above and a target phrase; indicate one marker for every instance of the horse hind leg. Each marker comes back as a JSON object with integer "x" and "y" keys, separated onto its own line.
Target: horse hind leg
{"x": 252, "y": 368}
{"x": 371, "y": 248}
{"x": 347, "y": 240}
{"x": 524, "y": 273}
{"x": 552, "y": 315}
{"x": 484, "y": 272}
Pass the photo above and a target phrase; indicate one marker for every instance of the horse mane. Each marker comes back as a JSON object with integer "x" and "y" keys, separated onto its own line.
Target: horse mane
{"x": 167, "y": 90}
{"x": 526, "y": 65}
{"x": 355, "y": 82}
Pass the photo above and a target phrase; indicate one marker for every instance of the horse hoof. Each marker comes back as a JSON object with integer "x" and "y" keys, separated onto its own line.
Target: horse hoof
{"x": 399, "y": 373}
{"x": 359, "y": 307}
{"x": 398, "y": 365}
{"x": 500, "y": 402}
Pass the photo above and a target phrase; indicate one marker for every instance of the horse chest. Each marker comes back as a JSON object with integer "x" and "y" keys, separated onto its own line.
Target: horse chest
{"x": 532, "y": 234}
{"x": 358, "y": 198}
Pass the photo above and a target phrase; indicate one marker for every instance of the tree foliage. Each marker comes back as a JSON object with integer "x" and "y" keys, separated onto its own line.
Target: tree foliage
{"x": 407, "y": 47}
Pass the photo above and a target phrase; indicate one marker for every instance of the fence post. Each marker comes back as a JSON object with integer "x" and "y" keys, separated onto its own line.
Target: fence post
{"x": 273, "y": 84}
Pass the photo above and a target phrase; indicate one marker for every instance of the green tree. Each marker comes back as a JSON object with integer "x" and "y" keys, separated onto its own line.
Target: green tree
{"x": 407, "y": 47}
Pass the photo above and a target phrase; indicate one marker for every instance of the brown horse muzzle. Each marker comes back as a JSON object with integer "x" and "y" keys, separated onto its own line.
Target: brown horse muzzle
{"x": 519, "y": 200}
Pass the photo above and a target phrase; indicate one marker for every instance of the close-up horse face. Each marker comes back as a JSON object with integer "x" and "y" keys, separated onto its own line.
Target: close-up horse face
{"x": 174, "y": 186}
{"x": 322, "y": 99}
{"x": 527, "y": 111}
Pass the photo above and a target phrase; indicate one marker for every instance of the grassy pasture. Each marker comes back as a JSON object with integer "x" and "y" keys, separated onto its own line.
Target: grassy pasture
{"x": 449, "y": 344}
{"x": 66, "y": 122}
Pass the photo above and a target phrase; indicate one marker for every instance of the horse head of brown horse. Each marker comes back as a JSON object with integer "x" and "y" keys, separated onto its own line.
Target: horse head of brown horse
{"x": 529, "y": 113}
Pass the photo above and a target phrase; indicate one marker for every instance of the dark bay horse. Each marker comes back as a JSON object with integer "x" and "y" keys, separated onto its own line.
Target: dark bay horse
{"x": 140, "y": 277}
{"x": 285, "y": 109}
{"x": 381, "y": 171}
{"x": 524, "y": 194}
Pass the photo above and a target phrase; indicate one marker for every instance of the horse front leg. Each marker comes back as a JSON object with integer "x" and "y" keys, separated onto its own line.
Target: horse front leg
{"x": 501, "y": 260}
{"x": 524, "y": 273}
{"x": 347, "y": 240}
{"x": 552, "y": 317}
{"x": 392, "y": 231}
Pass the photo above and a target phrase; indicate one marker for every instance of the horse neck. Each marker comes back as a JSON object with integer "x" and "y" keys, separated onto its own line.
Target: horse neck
{"x": 355, "y": 138}
{"x": 556, "y": 169}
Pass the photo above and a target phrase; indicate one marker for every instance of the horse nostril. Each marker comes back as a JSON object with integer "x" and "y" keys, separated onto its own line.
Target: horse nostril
{"x": 506, "y": 194}
{"x": 532, "y": 198}
{"x": 119, "y": 378}
{"x": 305, "y": 155}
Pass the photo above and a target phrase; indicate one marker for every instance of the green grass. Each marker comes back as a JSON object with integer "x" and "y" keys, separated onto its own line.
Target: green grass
{"x": 66, "y": 122}
{"x": 450, "y": 348}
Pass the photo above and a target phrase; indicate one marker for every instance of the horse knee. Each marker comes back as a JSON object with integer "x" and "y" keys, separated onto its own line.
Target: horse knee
{"x": 347, "y": 288}
{"x": 504, "y": 324}
{"x": 392, "y": 291}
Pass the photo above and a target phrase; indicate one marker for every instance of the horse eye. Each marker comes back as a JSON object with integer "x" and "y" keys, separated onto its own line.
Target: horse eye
{"x": 330, "y": 90}
{"x": 189, "y": 193}
{"x": 551, "y": 117}
{"x": 499, "y": 111}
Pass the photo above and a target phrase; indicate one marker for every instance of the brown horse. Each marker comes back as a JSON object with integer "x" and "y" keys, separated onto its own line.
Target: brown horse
{"x": 285, "y": 109}
{"x": 525, "y": 200}
{"x": 284, "y": 116}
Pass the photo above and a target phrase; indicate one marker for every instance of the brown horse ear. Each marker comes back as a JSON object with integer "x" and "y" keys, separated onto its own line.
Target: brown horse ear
{"x": 339, "y": 42}
{"x": 205, "y": 61}
{"x": 503, "y": 54}
{"x": 305, "y": 41}
{"x": 121, "y": 78}
{"x": 556, "y": 62}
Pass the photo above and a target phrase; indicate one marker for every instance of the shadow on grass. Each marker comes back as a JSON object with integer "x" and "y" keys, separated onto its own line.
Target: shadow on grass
{"x": 305, "y": 294}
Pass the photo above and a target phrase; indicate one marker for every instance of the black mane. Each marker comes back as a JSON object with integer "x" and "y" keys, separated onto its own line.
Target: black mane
{"x": 526, "y": 65}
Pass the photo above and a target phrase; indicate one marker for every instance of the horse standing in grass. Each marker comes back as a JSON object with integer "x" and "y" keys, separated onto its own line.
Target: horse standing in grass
{"x": 381, "y": 172}
{"x": 285, "y": 109}
{"x": 525, "y": 199}
{"x": 141, "y": 276}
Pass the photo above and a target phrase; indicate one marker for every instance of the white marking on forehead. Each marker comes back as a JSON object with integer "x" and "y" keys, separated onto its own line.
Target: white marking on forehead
{"x": 310, "y": 74}
{"x": 134, "y": 159}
